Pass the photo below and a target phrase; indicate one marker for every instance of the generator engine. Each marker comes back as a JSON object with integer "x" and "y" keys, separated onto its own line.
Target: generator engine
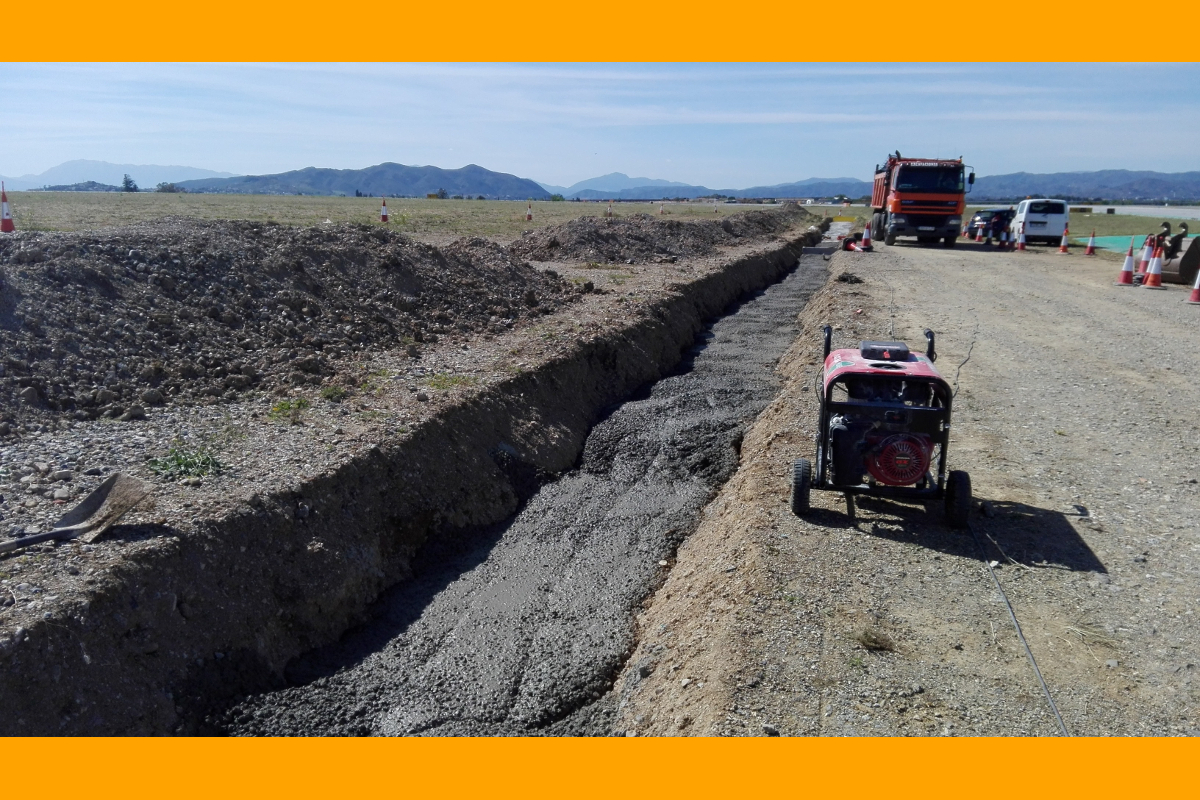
{"x": 893, "y": 459}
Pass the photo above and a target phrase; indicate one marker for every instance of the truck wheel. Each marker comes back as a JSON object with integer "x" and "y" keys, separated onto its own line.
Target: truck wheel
{"x": 877, "y": 226}
{"x": 889, "y": 239}
{"x": 958, "y": 498}
{"x": 801, "y": 485}
{"x": 950, "y": 241}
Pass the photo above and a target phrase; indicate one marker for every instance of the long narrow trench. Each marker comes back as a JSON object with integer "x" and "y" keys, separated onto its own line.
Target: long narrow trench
{"x": 519, "y": 629}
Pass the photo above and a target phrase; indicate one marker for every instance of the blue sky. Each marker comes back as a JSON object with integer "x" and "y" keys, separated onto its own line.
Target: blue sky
{"x": 722, "y": 126}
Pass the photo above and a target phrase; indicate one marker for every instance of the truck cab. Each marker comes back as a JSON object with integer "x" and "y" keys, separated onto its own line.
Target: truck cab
{"x": 924, "y": 198}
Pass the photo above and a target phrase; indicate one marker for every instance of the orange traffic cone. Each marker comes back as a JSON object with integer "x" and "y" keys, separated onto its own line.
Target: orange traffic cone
{"x": 1154, "y": 274}
{"x": 6, "y": 222}
{"x": 1194, "y": 299}
{"x": 866, "y": 239}
{"x": 383, "y": 211}
{"x": 1021, "y": 238}
{"x": 529, "y": 213}
{"x": 1004, "y": 239}
{"x": 662, "y": 208}
{"x": 1126, "y": 276}
{"x": 1147, "y": 254}
{"x": 608, "y": 211}
{"x": 979, "y": 234}
{"x": 1065, "y": 246}
{"x": 1091, "y": 245}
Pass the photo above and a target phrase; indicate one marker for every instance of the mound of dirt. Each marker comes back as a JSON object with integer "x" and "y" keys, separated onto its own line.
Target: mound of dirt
{"x": 103, "y": 323}
{"x": 643, "y": 238}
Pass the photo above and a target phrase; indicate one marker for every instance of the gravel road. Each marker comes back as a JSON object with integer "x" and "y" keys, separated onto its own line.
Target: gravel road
{"x": 521, "y": 628}
{"x": 1076, "y": 420}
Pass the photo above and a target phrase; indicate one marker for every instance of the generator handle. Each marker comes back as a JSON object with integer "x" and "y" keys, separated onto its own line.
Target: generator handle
{"x": 930, "y": 353}
{"x": 828, "y": 331}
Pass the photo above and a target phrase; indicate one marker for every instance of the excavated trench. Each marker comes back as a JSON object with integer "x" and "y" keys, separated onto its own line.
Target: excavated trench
{"x": 519, "y": 628}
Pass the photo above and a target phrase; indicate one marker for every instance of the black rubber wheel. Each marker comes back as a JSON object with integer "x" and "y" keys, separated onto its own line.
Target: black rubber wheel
{"x": 889, "y": 239}
{"x": 801, "y": 485}
{"x": 958, "y": 498}
{"x": 877, "y": 226}
{"x": 950, "y": 241}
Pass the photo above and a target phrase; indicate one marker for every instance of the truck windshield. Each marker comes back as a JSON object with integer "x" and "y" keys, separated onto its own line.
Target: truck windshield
{"x": 948, "y": 180}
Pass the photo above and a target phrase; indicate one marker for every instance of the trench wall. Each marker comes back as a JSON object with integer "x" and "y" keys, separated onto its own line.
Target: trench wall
{"x": 220, "y": 610}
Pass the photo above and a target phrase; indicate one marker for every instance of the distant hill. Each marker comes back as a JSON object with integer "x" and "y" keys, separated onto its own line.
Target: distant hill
{"x": 147, "y": 176}
{"x": 812, "y": 187}
{"x": 1109, "y": 184}
{"x": 392, "y": 180}
{"x": 86, "y": 186}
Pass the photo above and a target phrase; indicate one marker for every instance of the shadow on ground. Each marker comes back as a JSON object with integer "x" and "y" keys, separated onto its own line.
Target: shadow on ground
{"x": 1035, "y": 537}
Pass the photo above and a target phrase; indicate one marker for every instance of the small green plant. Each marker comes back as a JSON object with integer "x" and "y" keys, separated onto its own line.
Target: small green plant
{"x": 619, "y": 278}
{"x": 288, "y": 410}
{"x": 443, "y": 381}
{"x": 856, "y": 661}
{"x": 334, "y": 393}
{"x": 181, "y": 462}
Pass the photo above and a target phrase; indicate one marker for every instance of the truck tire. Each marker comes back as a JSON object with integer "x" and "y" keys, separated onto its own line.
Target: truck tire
{"x": 889, "y": 239}
{"x": 877, "y": 225}
{"x": 950, "y": 241}
{"x": 801, "y": 485}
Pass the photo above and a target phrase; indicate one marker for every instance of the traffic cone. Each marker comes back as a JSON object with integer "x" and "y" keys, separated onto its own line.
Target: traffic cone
{"x": 662, "y": 208}
{"x": 1091, "y": 245}
{"x": 1126, "y": 276}
{"x": 966, "y": 229}
{"x": 6, "y": 222}
{"x": 1147, "y": 253}
{"x": 529, "y": 213}
{"x": 1021, "y": 239}
{"x": 608, "y": 211}
{"x": 1194, "y": 299}
{"x": 1004, "y": 239}
{"x": 383, "y": 211}
{"x": 1065, "y": 246}
{"x": 979, "y": 234}
{"x": 1154, "y": 274}
{"x": 866, "y": 239}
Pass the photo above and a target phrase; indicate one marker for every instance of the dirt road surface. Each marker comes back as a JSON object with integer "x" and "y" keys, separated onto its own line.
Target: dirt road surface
{"x": 1076, "y": 418}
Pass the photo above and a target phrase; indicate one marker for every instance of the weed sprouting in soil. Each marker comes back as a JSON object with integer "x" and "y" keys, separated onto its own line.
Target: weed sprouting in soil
{"x": 334, "y": 393}
{"x": 443, "y": 381}
{"x": 288, "y": 410}
{"x": 183, "y": 462}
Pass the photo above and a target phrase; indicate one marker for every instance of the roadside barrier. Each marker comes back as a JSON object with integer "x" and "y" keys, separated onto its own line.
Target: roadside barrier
{"x": 1126, "y": 276}
{"x": 1065, "y": 246}
{"x": 1091, "y": 245}
{"x": 383, "y": 211}
{"x": 1154, "y": 274}
{"x": 6, "y": 220}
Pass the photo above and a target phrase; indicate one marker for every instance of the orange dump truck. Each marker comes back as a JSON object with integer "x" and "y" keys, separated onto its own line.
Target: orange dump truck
{"x": 919, "y": 197}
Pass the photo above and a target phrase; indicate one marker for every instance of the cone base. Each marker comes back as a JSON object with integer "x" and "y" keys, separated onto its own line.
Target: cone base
{"x": 1118, "y": 283}
{"x": 1192, "y": 302}
{"x": 1144, "y": 286}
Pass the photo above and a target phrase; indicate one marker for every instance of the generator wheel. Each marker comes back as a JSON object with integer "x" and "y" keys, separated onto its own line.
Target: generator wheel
{"x": 801, "y": 485}
{"x": 958, "y": 498}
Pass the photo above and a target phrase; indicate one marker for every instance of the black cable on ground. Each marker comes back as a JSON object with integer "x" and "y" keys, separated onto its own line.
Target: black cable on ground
{"x": 1062, "y": 726}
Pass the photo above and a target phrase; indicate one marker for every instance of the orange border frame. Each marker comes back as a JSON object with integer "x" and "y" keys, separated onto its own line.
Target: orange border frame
{"x": 600, "y": 30}
{"x": 610, "y": 30}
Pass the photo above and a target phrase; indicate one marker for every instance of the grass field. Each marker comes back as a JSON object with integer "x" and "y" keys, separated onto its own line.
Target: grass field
{"x": 72, "y": 211}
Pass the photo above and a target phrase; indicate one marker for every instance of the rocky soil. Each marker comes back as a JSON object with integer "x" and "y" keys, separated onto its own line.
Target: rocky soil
{"x": 1075, "y": 418}
{"x": 373, "y": 366}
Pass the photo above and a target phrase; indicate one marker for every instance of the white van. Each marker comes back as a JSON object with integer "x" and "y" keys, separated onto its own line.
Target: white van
{"x": 1044, "y": 220}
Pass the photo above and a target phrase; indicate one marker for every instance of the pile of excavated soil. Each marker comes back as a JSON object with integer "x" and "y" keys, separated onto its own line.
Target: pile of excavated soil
{"x": 643, "y": 238}
{"x": 99, "y": 323}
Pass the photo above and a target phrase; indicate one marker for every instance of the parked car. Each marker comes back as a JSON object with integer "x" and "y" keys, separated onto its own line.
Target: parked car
{"x": 1044, "y": 220}
{"x": 983, "y": 219}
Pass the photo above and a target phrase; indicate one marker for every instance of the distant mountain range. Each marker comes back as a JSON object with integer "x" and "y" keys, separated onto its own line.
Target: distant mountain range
{"x": 392, "y": 180}
{"x": 147, "y": 176}
{"x": 412, "y": 181}
{"x": 1109, "y": 184}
